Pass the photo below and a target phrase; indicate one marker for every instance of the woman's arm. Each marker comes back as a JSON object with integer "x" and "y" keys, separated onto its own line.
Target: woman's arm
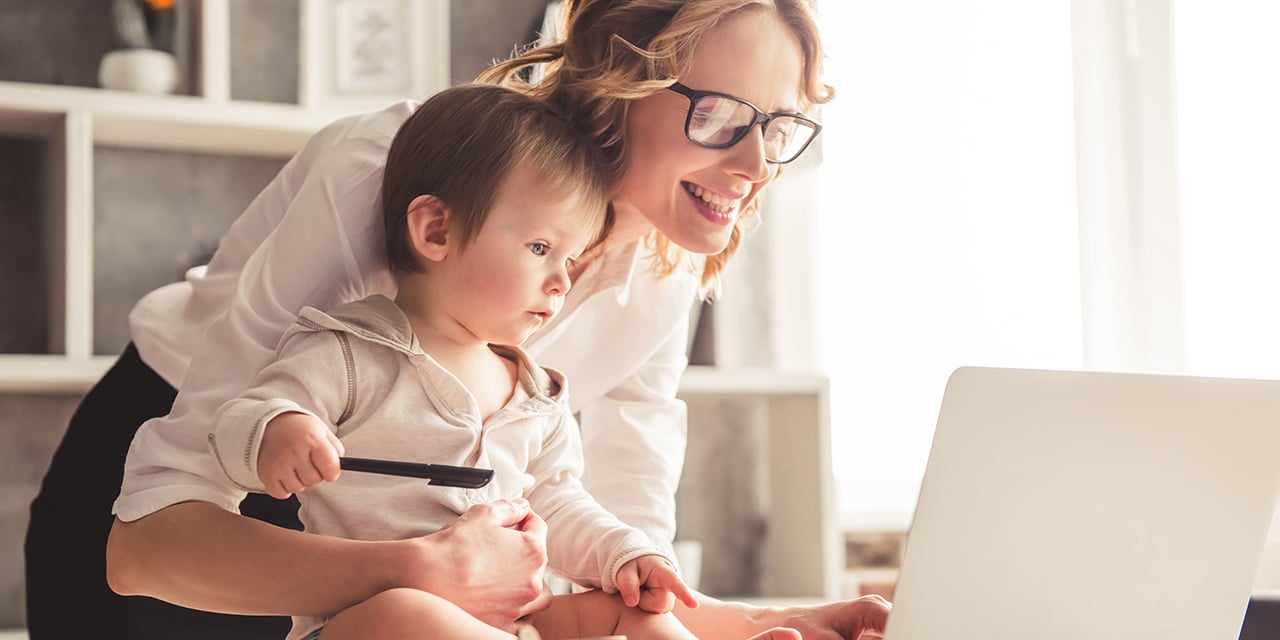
{"x": 322, "y": 250}
{"x": 842, "y": 620}
{"x": 588, "y": 545}
{"x": 201, "y": 556}
{"x": 634, "y": 438}
{"x": 634, "y": 434}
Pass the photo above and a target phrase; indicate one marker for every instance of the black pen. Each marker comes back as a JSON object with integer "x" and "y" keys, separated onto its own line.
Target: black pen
{"x": 441, "y": 474}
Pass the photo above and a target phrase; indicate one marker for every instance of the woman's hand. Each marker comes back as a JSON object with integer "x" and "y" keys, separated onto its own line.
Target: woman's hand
{"x": 651, "y": 582}
{"x": 490, "y": 562}
{"x": 298, "y": 451}
{"x": 863, "y": 617}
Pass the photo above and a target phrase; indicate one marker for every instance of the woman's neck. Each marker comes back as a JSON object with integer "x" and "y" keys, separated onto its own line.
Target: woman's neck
{"x": 629, "y": 224}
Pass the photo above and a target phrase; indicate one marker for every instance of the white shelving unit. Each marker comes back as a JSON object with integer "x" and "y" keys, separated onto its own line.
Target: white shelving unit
{"x": 802, "y": 554}
{"x": 73, "y": 121}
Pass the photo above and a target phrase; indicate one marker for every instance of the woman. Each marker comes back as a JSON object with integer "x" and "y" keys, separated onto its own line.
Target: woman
{"x": 673, "y": 91}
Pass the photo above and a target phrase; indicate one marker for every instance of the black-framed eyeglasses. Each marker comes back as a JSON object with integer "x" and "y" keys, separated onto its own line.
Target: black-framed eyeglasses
{"x": 719, "y": 121}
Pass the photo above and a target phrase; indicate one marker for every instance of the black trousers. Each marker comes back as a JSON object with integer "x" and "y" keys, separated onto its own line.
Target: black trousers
{"x": 67, "y": 593}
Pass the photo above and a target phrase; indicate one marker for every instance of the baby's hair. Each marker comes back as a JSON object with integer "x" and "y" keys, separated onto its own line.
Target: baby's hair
{"x": 616, "y": 51}
{"x": 464, "y": 141}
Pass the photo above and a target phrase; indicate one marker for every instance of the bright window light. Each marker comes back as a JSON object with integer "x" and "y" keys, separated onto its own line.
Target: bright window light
{"x": 947, "y": 222}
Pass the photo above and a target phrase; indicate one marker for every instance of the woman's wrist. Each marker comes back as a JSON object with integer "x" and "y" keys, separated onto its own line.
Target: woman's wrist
{"x": 715, "y": 617}
{"x": 407, "y": 563}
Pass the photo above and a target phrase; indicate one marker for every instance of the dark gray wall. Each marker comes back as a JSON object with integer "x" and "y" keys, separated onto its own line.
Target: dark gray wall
{"x": 265, "y": 40}
{"x": 487, "y": 30}
{"x": 148, "y": 231}
{"x": 31, "y": 426}
{"x": 24, "y": 282}
{"x": 54, "y": 42}
{"x": 61, "y": 42}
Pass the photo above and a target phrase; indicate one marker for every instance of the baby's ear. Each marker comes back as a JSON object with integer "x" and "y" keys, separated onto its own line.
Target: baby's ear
{"x": 428, "y": 225}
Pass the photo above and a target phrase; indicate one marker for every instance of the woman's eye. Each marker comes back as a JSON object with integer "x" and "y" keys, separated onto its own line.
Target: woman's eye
{"x": 538, "y": 248}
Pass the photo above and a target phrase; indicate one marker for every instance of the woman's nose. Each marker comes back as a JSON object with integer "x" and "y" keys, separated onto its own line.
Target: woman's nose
{"x": 748, "y": 156}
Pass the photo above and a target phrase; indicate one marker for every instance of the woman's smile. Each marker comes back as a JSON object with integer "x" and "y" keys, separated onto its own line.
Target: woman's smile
{"x": 712, "y": 206}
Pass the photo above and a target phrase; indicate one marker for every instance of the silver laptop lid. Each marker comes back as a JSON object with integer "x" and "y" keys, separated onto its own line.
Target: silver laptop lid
{"x": 1072, "y": 505}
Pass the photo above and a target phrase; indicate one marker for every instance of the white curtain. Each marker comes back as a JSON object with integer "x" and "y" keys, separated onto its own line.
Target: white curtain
{"x": 1228, "y": 96}
{"x": 1064, "y": 185}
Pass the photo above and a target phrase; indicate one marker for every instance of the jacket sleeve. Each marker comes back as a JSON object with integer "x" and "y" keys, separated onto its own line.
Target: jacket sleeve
{"x": 634, "y": 440}
{"x": 308, "y": 376}
{"x": 585, "y": 543}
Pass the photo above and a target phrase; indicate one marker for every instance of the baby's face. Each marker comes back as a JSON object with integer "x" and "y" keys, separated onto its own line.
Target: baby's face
{"x": 511, "y": 279}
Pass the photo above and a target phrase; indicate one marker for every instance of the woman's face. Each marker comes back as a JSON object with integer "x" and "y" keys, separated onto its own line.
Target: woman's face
{"x": 691, "y": 194}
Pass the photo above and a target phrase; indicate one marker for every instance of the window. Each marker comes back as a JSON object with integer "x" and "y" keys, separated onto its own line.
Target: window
{"x": 1085, "y": 184}
{"x": 1229, "y": 137}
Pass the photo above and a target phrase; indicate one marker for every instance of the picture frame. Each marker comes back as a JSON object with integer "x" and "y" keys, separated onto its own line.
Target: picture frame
{"x": 363, "y": 55}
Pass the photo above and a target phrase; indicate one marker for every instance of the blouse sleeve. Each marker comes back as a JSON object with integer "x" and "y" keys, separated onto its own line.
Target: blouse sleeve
{"x": 634, "y": 439}
{"x": 585, "y": 543}
{"x": 327, "y": 248}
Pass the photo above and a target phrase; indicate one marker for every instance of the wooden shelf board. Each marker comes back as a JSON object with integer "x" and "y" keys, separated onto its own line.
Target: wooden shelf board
{"x": 164, "y": 122}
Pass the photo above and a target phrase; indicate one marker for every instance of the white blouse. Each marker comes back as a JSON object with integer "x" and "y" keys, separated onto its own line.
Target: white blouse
{"x": 314, "y": 237}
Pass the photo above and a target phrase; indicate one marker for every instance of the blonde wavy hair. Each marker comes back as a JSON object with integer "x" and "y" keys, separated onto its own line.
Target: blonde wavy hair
{"x": 616, "y": 51}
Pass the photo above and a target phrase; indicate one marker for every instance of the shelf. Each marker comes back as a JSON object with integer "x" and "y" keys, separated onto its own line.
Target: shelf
{"x": 51, "y": 373}
{"x": 782, "y": 482}
{"x": 60, "y": 373}
{"x": 704, "y": 380}
{"x": 185, "y": 123}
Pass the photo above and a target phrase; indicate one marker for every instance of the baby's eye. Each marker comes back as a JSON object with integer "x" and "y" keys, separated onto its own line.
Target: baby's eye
{"x": 538, "y": 248}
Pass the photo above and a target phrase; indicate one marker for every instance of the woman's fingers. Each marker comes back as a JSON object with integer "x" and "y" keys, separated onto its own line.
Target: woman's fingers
{"x": 532, "y": 523}
{"x": 501, "y": 513}
{"x": 538, "y": 604}
{"x": 501, "y": 585}
{"x": 777, "y": 633}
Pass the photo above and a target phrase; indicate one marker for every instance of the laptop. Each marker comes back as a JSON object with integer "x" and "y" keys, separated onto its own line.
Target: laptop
{"x": 1083, "y": 505}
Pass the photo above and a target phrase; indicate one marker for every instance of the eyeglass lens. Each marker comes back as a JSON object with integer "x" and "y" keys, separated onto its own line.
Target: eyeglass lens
{"x": 721, "y": 121}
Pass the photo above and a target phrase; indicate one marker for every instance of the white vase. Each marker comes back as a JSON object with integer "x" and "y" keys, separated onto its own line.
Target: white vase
{"x": 141, "y": 70}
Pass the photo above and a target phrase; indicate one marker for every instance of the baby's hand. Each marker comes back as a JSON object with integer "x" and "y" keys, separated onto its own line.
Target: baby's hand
{"x": 652, "y": 583}
{"x": 298, "y": 451}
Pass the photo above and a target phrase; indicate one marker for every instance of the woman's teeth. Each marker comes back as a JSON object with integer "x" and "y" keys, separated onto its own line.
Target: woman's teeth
{"x": 718, "y": 203}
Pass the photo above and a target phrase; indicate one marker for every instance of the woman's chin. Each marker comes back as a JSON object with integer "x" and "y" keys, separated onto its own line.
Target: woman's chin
{"x": 704, "y": 244}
